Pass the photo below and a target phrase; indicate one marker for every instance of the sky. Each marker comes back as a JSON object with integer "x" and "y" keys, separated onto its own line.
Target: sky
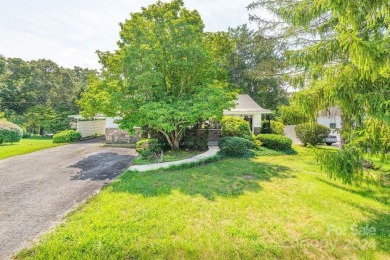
{"x": 70, "y": 31}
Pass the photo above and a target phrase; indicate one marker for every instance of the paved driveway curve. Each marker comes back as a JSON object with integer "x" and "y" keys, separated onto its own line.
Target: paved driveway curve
{"x": 38, "y": 189}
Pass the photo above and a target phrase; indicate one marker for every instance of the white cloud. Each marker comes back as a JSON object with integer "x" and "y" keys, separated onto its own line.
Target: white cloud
{"x": 69, "y": 32}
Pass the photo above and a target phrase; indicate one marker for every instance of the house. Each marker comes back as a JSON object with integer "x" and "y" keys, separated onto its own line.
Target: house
{"x": 249, "y": 110}
{"x": 330, "y": 117}
{"x": 245, "y": 108}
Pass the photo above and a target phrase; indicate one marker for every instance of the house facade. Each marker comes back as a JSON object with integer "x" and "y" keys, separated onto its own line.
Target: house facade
{"x": 247, "y": 109}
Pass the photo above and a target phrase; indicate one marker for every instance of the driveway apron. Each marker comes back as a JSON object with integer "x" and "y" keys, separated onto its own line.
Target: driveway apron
{"x": 38, "y": 189}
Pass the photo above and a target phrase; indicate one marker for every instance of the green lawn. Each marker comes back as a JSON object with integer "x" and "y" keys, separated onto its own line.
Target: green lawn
{"x": 25, "y": 146}
{"x": 270, "y": 207}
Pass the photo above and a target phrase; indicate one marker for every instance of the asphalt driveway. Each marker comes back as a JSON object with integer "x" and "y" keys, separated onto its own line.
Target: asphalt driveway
{"x": 38, "y": 189}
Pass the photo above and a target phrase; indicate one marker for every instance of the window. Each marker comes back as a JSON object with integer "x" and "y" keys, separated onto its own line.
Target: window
{"x": 332, "y": 125}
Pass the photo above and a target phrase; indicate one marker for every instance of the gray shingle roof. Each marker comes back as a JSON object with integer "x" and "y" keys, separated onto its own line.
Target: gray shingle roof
{"x": 246, "y": 104}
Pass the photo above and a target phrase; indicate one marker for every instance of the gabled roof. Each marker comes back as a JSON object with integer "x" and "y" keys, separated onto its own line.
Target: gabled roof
{"x": 246, "y": 104}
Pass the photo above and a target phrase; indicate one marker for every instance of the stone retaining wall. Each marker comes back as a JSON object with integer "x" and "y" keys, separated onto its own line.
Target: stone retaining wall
{"x": 118, "y": 136}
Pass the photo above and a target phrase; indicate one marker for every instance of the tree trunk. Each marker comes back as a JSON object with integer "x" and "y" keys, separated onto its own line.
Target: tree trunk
{"x": 42, "y": 131}
{"x": 173, "y": 139}
{"x": 342, "y": 140}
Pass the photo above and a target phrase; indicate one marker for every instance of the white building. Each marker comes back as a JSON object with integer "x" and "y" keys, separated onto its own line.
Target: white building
{"x": 331, "y": 117}
{"x": 249, "y": 110}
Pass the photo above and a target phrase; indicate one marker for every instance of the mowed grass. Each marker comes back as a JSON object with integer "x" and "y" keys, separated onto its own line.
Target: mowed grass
{"x": 270, "y": 207}
{"x": 25, "y": 146}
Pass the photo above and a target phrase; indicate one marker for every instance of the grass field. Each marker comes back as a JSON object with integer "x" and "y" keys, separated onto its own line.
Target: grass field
{"x": 25, "y": 146}
{"x": 270, "y": 207}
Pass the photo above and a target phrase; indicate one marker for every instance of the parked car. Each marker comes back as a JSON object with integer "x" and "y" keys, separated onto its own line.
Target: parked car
{"x": 47, "y": 134}
{"x": 332, "y": 138}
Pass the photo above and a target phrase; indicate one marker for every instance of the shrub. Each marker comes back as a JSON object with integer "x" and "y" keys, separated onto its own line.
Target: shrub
{"x": 67, "y": 136}
{"x": 147, "y": 133}
{"x": 311, "y": 133}
{"x": 276, "y": 127}
{"x": 275, "y": 142}
{"x": 195, "y": 138}
{"x": 26, "y": 135}
{"x": 148, "y": 148}
{"x": 291, "y": 115}
{"x": 9, "y": 132}
{"x": 235, "y": 126}
{"x": 234, "y": 146}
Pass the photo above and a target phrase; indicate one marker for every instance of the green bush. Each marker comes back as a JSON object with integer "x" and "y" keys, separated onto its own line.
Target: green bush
{"x": 148, "y": 148}
{"x": 291, "y": 115}
{"x": 235, "y": 126}
{"x": 311, "y": 133}
{"x": 9, "y": 132}
{"x": 195, "y": 138}
{"x": 234, "y": 146}
{"x": 26, "y": 135}
{"x": 277, "y": 128}
{"x": 275, "y": 142}
{"x": 67, "y": 136}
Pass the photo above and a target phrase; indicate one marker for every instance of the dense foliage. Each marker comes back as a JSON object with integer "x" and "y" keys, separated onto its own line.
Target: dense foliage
{"x": 339, "y": 55}
{"x": 292, "y": 115}
{"x": 67, "y": 136}
{"x": 195, "y": 139}
{"x": 234, "y": 146}
{"x": 346, "y": 165}
{"x": 311, "y": 133}
{"x": 254, "y": 67}
{"x": 235, "y": 126}
{"x": 163, "y": 75}
{"x": 373, "y": 136}
{"x": 275, "y": 142}
{"x": 39, "y": 94}
{"x": 9, "y": 132}
{"x": 148, "y": 148}
{"x": 272, "y": 127}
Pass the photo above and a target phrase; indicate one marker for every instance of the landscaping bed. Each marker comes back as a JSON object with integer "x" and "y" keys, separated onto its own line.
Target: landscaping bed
{"x": 168, "y": 156}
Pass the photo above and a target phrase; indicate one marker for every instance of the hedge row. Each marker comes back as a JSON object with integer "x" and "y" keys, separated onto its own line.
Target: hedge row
{"x": 275, "y": 142}
{"x": 67, "y": 136}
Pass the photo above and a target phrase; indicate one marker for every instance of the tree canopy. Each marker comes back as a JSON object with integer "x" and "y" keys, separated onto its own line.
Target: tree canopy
{"x": 40, "y": 94}
{"x": 162, "y": 76}
{"x": 339, "y": 54}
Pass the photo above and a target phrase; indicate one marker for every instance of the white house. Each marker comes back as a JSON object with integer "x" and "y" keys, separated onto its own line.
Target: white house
{"x": 331, "y": 117}
{"x": 249, "y": 110}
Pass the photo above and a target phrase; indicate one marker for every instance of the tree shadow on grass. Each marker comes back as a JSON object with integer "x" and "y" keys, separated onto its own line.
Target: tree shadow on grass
{"x": 101, "y": 166}
{"x": 382, "y": 197}
{"x": 377, "y": 227}
{"x": 227, "y": 178}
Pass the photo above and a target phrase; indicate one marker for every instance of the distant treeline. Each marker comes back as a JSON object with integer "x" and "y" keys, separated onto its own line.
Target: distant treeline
{"x": 39, "y": 95}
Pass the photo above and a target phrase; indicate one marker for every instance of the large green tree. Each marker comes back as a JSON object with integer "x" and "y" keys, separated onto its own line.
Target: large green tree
{"x": 163, "y": 75}
{"x": 251, "y": 63}
{"x": 340, "y": 55}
